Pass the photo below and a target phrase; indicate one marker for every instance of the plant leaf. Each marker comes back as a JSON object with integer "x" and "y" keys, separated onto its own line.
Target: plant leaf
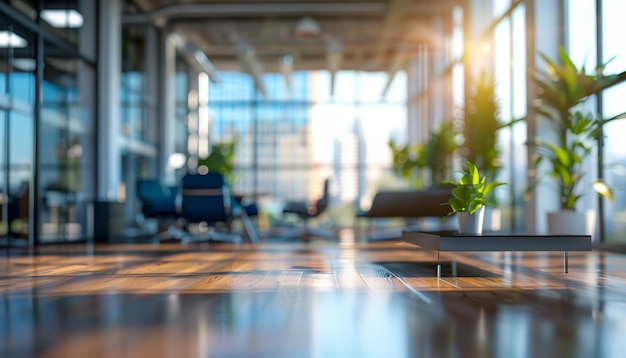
{"x": 601, "y": 188}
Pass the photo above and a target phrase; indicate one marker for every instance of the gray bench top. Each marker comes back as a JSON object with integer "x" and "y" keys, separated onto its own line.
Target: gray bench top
{"x": 497, "y": 241}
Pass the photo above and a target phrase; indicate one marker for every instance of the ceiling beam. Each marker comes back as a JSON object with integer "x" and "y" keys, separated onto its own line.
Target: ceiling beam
{"x": 334, "y": 56}
{"x": 394, "y": 20}
{"x": 194, "y": 55}
{"x": 213, "y": 10}
{"x": 398, "y": 62}
{"x": 286, "y": 67}
{"x": 251, "y": 64}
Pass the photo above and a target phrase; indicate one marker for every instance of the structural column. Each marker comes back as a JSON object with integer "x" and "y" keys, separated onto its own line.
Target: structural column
{"x": 108, "y": 116}
{"x": 167, "y": 110}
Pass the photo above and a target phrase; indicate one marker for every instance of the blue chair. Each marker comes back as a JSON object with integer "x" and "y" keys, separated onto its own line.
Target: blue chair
{"x": 158, "y": 202}
{"x": 206, "y": 199}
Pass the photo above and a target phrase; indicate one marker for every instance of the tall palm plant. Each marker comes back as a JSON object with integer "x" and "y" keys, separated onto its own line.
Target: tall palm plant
{"x": 561, "y": 91}
{"x": 482, "y": 122}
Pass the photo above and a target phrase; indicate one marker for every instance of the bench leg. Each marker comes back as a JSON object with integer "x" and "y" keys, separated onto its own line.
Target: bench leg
{"x": 438, "y": 266}
{"x": 454, "y": 267}
{"x": 565, "y": 263}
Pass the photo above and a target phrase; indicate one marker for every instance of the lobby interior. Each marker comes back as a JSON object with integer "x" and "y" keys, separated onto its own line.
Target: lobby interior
{"x": 320, "y": 103}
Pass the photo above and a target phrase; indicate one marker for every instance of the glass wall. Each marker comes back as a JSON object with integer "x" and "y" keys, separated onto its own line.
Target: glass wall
{"x": 17, "y": 106}
{"x": 142, "y": 80}
{"x": 47, "y": 134}
{"x": 585, "y": 50}
{"x": 581, "y": 33}
{"x": 293, "y": 139}
{"x": 66, "y": 136}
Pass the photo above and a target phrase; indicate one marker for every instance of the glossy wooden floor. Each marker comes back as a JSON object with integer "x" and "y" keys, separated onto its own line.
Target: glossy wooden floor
{"x": 317, "y": 299}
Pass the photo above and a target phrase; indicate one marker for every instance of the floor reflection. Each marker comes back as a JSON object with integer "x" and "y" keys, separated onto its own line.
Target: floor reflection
{"x": 308, "y": 323}
{"x": 309, "y": 300}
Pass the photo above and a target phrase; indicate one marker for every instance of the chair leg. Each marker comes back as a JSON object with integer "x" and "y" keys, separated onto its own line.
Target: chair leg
{"x": 248, "y": 228}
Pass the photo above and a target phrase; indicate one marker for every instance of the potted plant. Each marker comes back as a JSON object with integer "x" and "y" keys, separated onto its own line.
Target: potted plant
{"x": 434, "y": 155}
{"x": 405, "y": 162}
{"x": 469, "y": 198}
{"x": 482, "y": 112}
{"x": 481, "y": 125}
{"x": 561, "y": 91}
{"x": 221, "y": 159}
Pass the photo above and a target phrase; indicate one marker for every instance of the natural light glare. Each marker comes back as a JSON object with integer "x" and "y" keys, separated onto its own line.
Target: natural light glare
{"x": 25, "y": 64}
{"x": 485, "y": 47}
{"x": 203, "y": 88}
{"x": 11, "y": 39}
{"x": 63, "y": 18}
{"x": 582, "y": 44}
{"x": 176, "y": 160}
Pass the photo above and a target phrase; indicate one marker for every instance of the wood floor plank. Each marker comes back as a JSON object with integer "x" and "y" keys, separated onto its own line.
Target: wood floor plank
{"x": 318, "y": 280}
{"x": 384, "y": 284}
{"x": 283, "y": 279}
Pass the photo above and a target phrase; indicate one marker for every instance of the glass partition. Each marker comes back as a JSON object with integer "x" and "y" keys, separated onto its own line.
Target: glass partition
{"x": 66, "y": 139}
{"x": 50, "y": 137}
{"x": 17, "y": 101}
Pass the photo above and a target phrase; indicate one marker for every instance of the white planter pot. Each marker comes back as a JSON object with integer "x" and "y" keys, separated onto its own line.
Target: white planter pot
{"x": 471, "y": 224}
{"x": 493, "y": 219}
{"x": 571, "y": 222}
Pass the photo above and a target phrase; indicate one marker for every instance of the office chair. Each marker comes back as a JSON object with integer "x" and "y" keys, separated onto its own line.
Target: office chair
{"x": 158, "y": 202}
{"x": 206, "y": 200}
{"x": 308, "y": 210}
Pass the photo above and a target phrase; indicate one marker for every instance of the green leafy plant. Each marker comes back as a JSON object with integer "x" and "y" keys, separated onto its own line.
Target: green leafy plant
{"x": 470, "y": 192}
{"x": 561, "y": 90}
{"x": 437, "y": 152}
{"x": 405, "y": 162}
{"x": 434, "y": 155}
{"x": 482, "y": 112}
{"x": 221, "y": 159}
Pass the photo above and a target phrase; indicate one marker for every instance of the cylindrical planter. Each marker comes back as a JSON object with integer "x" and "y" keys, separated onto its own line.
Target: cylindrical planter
{"x": 571, "y": 222}
{"x": 493, "y": 219}
{"x": 471, "y": 224}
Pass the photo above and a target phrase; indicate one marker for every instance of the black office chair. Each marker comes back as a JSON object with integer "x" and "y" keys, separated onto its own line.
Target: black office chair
{"x": 308, "y": 210}
{"x": 206, "y": 200}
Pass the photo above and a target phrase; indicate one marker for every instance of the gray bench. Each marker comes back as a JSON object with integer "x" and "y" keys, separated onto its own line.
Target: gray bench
{"x": 407, "y": 204}
{"x": 453, "y": 241}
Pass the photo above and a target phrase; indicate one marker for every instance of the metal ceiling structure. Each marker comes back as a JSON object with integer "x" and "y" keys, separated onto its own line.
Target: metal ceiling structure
{"x": 259, "y": 36}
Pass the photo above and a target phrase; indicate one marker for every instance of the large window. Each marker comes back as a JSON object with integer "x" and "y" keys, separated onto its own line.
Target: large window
{"x": 291, "y": 140}
{"x": 585, "y": 50}
{"x": 613, "y": 104}
{"x": 510, "y": 75}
